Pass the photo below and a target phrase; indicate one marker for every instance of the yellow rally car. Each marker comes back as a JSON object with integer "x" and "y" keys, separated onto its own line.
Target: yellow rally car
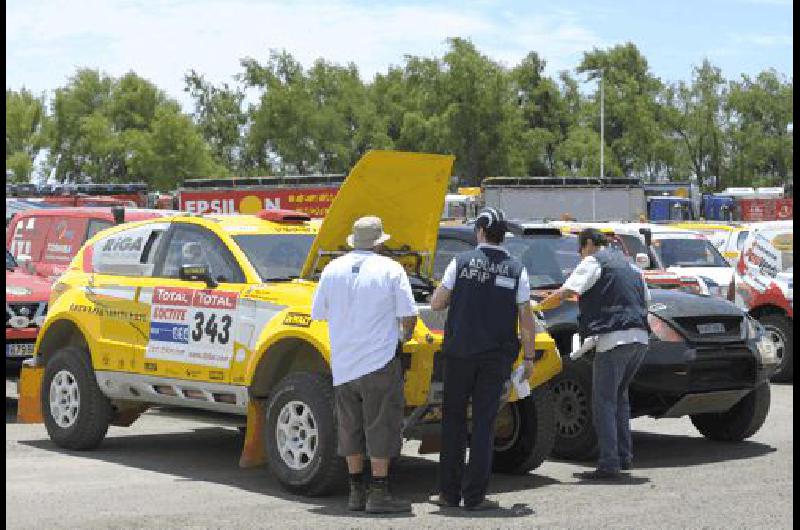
{"x": 212, "y": 313}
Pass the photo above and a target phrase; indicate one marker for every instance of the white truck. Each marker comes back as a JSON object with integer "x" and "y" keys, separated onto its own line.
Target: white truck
{"x": 578, "y": 198}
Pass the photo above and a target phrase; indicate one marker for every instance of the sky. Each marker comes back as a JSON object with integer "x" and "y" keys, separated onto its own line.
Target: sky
{"x": 161, "y": 40}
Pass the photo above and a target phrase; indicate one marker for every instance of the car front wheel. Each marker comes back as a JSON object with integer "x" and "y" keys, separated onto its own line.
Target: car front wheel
{"x": 76, "y": 413}
{"x": 779, "y": 330}
{"x": 525, "y": 433}
{"x": 300, "y": 435}
{"x": 742, "y": 421}
{"x": 572, "y": 395}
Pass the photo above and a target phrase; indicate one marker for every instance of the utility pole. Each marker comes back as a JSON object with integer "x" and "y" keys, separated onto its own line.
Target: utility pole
{"x": 602, "y": 126}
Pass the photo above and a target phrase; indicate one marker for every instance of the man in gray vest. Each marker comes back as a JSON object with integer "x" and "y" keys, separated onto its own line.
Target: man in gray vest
{"x": 487, "y": 292}
{"x": 613, "y": 309}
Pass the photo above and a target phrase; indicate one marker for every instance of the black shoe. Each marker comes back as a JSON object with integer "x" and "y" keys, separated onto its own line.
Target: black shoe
{"x": 485, "y": 504}
{"x": 625, "y": 466}
{"x": 358, "y": 498}
{"x": 379, "y": 500}
{"x": 440, "y": 501}
{"x": 598, "y": 474}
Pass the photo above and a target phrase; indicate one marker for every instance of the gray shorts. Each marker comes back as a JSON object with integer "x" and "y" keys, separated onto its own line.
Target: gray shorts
{"x": 369, "y": 413}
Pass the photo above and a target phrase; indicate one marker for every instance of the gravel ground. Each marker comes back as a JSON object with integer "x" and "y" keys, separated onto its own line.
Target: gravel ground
{"x": 164, "y": 472}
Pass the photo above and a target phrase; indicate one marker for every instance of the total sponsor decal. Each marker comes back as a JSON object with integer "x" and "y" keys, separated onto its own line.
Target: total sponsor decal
{"x": 192, "y": 326}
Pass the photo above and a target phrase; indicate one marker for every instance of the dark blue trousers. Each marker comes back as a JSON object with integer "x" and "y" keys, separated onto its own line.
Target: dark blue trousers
{"x": 482, "y": 381}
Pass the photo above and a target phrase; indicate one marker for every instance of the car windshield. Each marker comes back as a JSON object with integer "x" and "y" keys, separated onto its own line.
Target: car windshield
{"x": 549, "y": 259}
{"x": 276, "y": 257}
{"x": 11, "y": 263}
{"x": 682, "y": 252}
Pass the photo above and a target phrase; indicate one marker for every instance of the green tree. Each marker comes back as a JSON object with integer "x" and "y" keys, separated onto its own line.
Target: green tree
{"x": 123, "y": 130}
{"x": 760, "y": 116}
{"x": 631, "y": 126}
{"x": 26, "y": 132}
{"x": 220, "y": 117}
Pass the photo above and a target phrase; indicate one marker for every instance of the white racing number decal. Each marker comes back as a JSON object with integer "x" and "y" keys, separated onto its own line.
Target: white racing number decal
{"x": 192, "y": 326}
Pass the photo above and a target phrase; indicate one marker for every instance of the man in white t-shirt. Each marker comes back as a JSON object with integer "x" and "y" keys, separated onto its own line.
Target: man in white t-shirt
{"x": 613, "y": 310}
{"x": 367, "y": 300}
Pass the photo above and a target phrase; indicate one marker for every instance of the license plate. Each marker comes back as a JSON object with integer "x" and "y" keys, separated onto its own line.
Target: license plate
{"x": 19, "y": 350}
{"x": 711, "y": 328}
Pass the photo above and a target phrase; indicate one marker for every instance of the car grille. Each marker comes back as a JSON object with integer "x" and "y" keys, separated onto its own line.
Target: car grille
{"x": 25, "y": 315}
{"x": 732, "y": 323}
{"x": 722, "y": 368}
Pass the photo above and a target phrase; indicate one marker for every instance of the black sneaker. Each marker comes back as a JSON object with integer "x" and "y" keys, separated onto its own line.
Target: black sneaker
{"x": 485, "y": 504}
{"x": 358, "y": 498}
{"x": 598, "y": 474}
{"x": 379, "y": 500}
{"x": 440, "y": 501}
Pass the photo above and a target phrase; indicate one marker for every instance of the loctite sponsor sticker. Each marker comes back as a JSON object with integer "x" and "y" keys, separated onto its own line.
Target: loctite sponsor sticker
{"x": 192, "y": 326}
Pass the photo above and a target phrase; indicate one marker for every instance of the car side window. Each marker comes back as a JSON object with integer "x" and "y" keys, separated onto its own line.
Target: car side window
{"x": 127, "y": 252}
{"x": 446, "y": 250}
{"x": 741, "y": 239}
{"x": 96, "y": 225}
{"x": 194, "y": 245}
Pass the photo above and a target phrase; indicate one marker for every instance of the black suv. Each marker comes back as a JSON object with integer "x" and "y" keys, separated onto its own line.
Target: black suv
{"x": 704, "y": 360}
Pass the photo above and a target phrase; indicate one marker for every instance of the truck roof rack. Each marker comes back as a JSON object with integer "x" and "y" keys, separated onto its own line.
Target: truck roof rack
{"x": 273, "y": 181}
{"x": 561, "y": 181}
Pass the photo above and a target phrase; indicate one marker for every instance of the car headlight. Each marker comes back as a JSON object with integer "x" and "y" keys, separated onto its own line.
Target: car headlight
{"x": 17, "y": 290}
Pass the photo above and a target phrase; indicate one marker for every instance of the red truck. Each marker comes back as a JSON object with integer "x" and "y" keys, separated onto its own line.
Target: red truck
{"x": 311, "y": 194}
{"x": 40, "y": 244}
{"x": 46, "y": 240}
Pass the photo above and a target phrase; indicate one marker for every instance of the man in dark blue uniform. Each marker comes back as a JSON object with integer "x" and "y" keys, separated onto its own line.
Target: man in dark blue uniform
{"x": 487, "y": 292}
{"x": 613, "y": 312}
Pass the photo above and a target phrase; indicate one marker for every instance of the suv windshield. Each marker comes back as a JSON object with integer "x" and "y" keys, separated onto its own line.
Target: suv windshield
{"x": 549, "y": 259}
{"x": 688, "y": 253}
{"x": 10, "y": 261}
{"x": 276, "y": 256}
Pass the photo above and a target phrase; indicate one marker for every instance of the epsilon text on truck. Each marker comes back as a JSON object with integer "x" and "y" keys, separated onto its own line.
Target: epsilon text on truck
{"x": 313, "y": 201}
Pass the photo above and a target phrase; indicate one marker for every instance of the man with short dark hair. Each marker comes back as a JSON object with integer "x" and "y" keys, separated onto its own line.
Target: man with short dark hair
{"x": 613, "y": 310}
{"x": 487, "y": 292}
{"x": 366, "y": 298}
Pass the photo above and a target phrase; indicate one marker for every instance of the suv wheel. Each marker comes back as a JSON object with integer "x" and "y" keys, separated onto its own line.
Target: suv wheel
{"x": 575, "y": 437}
{"x": 742, "y": 421}
{"x": 76, "y": 414}
{"x": 300, "y": 435}
{"x": 526, "y": 433}
{"x": 779, "y": 329}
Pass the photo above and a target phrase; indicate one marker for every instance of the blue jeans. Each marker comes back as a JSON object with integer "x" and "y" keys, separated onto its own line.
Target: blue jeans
{"x": 612, "y": 374}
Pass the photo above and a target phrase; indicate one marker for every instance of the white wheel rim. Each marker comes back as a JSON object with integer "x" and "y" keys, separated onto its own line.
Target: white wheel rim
{"x": 296, "y": 435}
{"x": 776, "y": 336}
{"x": 65, "y": 399}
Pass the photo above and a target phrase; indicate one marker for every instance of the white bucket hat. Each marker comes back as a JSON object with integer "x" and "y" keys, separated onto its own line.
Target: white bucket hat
{"x": 367, "y": 233}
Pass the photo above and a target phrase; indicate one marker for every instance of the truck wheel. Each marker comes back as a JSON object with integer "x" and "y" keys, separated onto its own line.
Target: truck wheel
{"x": 526, "y": 432}
{"x": 742, "y": 421}
{"x": 572, "y": 394}
{"x": 300, "y": 435}
{"x": 779, "y": 329}
{"x": 76, "y": 414}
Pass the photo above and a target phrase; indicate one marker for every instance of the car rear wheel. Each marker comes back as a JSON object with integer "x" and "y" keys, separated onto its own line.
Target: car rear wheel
{"x": 779, "y": 329}
{"x": 742, "y": 421}
{"x": 300, "y": 435}
{"x": 76, "y": 414}
{"x": 575, "y": 437}
{"x": 525, "y": 433}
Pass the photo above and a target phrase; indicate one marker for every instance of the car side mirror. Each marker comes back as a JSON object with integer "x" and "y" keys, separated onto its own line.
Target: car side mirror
{"x": 197, "y": 273}
{"x": 642, "y": 260}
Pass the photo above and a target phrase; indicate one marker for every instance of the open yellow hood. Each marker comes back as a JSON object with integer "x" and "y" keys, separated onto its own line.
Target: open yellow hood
{"x": 406, "y": 190}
